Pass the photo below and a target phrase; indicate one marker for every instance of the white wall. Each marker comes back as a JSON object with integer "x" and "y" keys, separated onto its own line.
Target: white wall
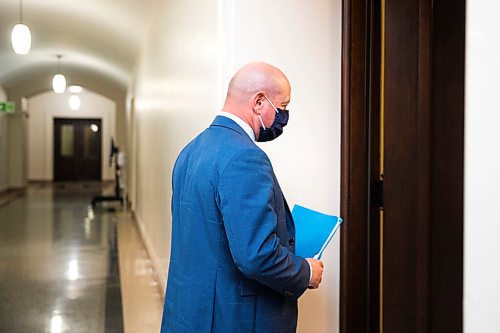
{"x": 176, "y": 92}
{"x": 180, "y": 84}
{"x": 13, "y": 146}
{"x": 46, "y": 106}
{"x": 304, "y": 40}
{"x": 482, "y": 169}
{"x": 4, "y": 166}
{"x": 16, "y": 126}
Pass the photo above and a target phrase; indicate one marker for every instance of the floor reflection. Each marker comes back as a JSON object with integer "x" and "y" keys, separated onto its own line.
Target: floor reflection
{"x": 58, "y": 263}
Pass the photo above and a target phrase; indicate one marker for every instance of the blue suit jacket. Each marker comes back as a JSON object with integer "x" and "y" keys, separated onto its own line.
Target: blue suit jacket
{"x": 232, "y": 265}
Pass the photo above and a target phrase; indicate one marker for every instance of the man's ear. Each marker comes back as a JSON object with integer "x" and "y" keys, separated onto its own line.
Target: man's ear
{"x": 258, "y": 101}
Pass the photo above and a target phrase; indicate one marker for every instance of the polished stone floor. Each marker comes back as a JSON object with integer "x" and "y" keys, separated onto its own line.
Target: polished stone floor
{"x": 58, "y": 263}
{"x": 142, "y": 294}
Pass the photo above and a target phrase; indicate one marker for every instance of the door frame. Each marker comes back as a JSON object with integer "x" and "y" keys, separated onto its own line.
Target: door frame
{"x": 355, "y": 279}
{"x": 423, "y": 256}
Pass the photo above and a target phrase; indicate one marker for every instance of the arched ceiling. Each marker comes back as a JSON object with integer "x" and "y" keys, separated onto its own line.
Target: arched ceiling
{"x": 99, "y": 41}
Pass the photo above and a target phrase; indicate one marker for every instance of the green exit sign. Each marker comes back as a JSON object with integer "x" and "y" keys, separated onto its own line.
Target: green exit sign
{"x": 7, "y": 107}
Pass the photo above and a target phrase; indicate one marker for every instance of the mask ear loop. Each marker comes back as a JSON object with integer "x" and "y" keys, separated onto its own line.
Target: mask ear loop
{"x": 275, "y": 109}
{"x": 261, "y": 122}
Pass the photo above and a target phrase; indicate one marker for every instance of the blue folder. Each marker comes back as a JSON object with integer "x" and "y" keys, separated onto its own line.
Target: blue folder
{"x": 313, "y": 231}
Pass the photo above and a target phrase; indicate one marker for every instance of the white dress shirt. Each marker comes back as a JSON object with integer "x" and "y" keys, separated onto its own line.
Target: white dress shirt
{"x": 248, "y": 130}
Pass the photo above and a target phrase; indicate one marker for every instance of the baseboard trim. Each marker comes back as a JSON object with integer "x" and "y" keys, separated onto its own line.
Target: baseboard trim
{"x": 155, "y": 259}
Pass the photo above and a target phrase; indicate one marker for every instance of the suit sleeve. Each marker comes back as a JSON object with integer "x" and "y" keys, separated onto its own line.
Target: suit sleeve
{"x": 246, "y": 194}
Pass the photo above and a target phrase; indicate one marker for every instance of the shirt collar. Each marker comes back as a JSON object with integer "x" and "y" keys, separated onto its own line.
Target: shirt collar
{"x": 248, "y": 130}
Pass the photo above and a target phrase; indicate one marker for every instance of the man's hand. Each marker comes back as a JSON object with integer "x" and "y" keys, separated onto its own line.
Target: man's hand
{"x": 317, "y": 272}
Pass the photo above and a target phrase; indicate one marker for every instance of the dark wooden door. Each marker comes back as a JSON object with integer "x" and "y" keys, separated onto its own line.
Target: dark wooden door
{"x": 403, "y": 117}
{"x": 77, "y": 149}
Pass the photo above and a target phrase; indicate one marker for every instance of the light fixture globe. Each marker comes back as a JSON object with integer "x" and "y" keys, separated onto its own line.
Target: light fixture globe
{"x": 74, "y": 103}
{"x": 59, "y": 83}
{"x": 21, "y": 39}
{"x": 75, "y": 89}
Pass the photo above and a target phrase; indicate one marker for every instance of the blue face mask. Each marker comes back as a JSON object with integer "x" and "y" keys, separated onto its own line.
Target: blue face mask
{"x": 276, "y": 129}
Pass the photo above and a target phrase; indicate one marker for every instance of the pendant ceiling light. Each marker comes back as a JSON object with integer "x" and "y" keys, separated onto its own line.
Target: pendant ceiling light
{"x": 21, "y": 36}
{"x": 74, "y": 102}
{"x": 59, "y": 81}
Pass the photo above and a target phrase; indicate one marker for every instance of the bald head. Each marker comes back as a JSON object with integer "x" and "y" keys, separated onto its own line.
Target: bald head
{"x": 254, "y": 77}
{"x": 251, "y": 89}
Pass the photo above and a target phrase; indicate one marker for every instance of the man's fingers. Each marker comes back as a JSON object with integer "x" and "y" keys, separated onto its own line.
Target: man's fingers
{"x": 317, "y": 267}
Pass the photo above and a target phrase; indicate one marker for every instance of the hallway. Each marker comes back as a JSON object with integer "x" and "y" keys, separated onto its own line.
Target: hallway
{"x": 59, "y": 262}
{"x": 154, "y": 73}
{"x": 382, "y": 93}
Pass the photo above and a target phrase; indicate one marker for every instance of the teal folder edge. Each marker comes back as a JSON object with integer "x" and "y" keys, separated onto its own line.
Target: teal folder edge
{"x": 337, "y": 226}
{"x": 314, "y": 231}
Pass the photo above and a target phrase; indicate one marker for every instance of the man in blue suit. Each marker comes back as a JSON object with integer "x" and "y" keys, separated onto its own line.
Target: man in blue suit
{"x": 232, "y": 265}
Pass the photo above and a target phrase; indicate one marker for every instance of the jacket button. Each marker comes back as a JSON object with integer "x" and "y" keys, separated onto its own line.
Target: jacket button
{"x": 292, "y": 241}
